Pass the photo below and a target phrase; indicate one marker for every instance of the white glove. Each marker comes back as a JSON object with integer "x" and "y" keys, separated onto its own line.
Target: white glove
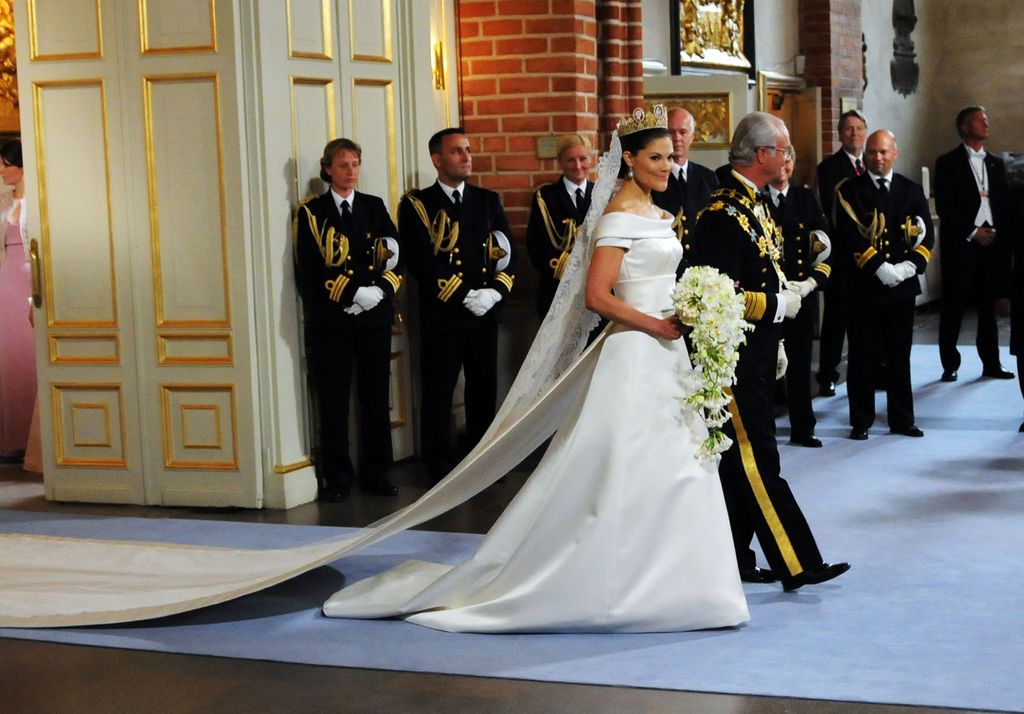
{"x": 792, "y": 300}
{"x": 367, "y": 298}
{"x": 479, "y": 302}
{"x": 781, "y": 361}
{"x": 353, "y": 309}
{"x": 906, "y": 270}
{"x": 919, "y": 222}
{"x": 803, "y": 288}
{"x": 888, "y": 275}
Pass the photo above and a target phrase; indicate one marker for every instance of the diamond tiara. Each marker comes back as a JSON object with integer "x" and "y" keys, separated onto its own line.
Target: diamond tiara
{"x": 643, "y": 118}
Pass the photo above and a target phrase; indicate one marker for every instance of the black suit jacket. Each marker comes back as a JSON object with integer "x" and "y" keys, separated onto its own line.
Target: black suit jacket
{"x": 327, "y": 284}
{"x": 545, "y": 244}
{"x": 831, "y": 171}
{"x": 685, "y": 202}
{"x": 736, "y": 235}
{"x": 445, "y": 277}
{"x": 800, "y": 214}
{"x": 905, "y": 199}
{"x": 957, "y": 198}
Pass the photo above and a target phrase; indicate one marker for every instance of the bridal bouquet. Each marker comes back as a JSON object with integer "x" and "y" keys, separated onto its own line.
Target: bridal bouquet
{"x": 706, "y": 300}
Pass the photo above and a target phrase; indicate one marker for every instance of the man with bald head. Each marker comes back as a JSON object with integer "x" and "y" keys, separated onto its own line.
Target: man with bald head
{"x": 689, "y": 186}
{"x": 885, "y": 223}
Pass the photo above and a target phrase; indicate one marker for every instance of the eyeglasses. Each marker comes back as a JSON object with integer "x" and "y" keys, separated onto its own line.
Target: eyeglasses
{"x": 766, "y": 148}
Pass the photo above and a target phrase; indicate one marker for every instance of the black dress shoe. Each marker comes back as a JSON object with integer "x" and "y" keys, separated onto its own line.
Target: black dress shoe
{"x": 809, "y": 441}
{"x": 334, "y": 494}
{"x": 998, "y": 373}
{"x": 949, "y": 375}
{"x": 827, "y": 389}
{"x": 912, "y": 430}
{"x": 757, "y": 575}
{"x": 379, "y": 487}
{"x": 819, "y": 574}
{"x": 858, "y": 434}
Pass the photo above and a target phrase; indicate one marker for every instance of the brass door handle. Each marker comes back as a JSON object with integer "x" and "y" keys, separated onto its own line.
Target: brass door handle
{"x": 37, "y": 273}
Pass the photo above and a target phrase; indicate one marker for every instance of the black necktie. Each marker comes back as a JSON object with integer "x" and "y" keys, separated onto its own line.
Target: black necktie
{"x": 579, "y": 198}
{"x": 782, "y": 201}
{"x": 858, "y": 167}
{"x": 457, "y": 200}
{"x": 346, "y": 213}
{"x": 883, "y": 190}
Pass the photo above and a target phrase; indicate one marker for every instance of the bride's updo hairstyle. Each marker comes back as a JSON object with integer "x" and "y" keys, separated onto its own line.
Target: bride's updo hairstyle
{"x": 639, "y": 129}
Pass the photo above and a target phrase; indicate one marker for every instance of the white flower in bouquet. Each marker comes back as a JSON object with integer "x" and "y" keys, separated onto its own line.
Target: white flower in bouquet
{"x": 707, "y": 301}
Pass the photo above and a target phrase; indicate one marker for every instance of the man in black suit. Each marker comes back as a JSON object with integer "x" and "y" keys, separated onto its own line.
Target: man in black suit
{"x": 689, "y": 186}
{"x": 806, "y": 252}
{"x": 736, "y": 235}
{"x": 971, "y": 200}
{"x": 457, "y": 240}
{"x": 883, "y": 218}
{"x": 847, "y": 163}
{"x": 349, "y": 269}
{"x": 556, "y": 214}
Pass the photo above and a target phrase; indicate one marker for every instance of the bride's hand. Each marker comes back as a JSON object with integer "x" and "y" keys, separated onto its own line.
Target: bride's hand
{"x": 668, "y": 328}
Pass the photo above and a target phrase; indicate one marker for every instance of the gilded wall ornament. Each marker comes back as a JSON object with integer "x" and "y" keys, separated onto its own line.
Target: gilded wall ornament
{"x": 8, "y": 61}
{"x": 711, "y": 33}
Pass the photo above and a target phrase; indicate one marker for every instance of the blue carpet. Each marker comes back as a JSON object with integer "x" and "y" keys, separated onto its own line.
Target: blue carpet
{"x": 931, "y": 613}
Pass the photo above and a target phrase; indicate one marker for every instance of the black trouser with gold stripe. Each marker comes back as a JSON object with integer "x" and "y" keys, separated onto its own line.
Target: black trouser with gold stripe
{"x": 757, "y": 497}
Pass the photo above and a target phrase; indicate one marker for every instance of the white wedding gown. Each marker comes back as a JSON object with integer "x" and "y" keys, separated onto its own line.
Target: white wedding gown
{"x": 620, "y": 528}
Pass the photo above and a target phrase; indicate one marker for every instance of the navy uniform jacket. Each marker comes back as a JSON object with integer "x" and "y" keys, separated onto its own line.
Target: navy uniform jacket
{"x": 332, "y": 265}
{"x": 736, "y": 234}
{"x": 862, "y": 199}
{"x": 685, "y": 203}
{"x": 460, "y": 263}
{"x": 554, "y": 220}
{"x": 801, "y": 213}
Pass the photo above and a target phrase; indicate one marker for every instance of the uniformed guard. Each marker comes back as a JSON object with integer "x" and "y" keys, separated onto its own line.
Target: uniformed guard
{"x": 349, "y": 269}
{"x": 806, "y": 250}
{"x": 689, "y": 186}
{"x": 457, "y": 239}
{"x": 881, "y": 217}
{"x": 735, "y": 233}
{"x": 556, "y": 214}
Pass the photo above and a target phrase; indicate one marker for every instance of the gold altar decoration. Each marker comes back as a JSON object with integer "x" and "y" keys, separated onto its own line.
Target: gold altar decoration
{"x": 711, "y": 33}
{"x": 9, "y": 122}
{"x": 711, "y": 116}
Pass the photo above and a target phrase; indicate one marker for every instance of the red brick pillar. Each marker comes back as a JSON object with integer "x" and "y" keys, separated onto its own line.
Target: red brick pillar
{"x": 830, "y": 39}
{"x": 620, "y": 49}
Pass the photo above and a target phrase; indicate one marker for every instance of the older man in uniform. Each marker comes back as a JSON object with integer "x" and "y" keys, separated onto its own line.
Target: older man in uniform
{"x": 556, "y": 214}
{"x": 689, "y": 186}
{"x": 847, "y": 163}
{"x": 735, "y": 234}
{"x": 881, "y": 216}
{"x": 457, "y": 241}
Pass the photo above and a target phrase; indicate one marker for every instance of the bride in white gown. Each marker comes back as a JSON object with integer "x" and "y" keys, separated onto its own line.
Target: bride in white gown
{"x": 620, "y": 528}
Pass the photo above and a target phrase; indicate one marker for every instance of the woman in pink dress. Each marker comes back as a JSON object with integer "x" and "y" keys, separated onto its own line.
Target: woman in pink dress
{"x": 17, "y": 351}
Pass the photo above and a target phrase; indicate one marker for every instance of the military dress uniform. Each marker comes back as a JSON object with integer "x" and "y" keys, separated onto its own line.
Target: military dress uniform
{"x": 874, "y": 224}
{"x": 684, "y": 198}
{"x": 797, "y": 215}
{"x": 335, "y": 257}
{"x": 453, "y": 249}
{"x": 555, "y": 218}
{"x": 736, "y": 234}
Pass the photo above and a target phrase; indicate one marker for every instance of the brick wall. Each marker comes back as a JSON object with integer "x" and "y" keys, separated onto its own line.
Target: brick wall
{"x": 529, "y": 69}
{"x": 830, "y": 39}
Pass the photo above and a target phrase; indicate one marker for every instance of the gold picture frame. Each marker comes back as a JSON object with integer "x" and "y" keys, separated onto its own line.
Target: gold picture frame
{"x": 712, "y": 116}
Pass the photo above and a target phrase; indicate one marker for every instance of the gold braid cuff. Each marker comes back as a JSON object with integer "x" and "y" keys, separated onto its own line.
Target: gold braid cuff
{"x": 754, "y": 305}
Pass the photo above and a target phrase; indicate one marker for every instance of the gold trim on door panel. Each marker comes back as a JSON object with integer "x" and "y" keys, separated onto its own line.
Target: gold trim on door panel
{"x": 288, "y": 468}
{"x": 144, "y": 34}
{"x": 154, "y": 217}
{"x": 332, "y": 129}
{"x": 106, "y": 423}
{"x": 217, "y": 443}
{"x": 385, "y": 12}
{"x": 33, "y": 39}
{"x": 56, "y": 388}
{"x": 392, "y": 144}
{"x": 54, "y": 343}
{"x": 168, "y": 437}
{"x": 163, "y": 340}
{"x": 44, "y": 223}
{"x": 327, "y": 39}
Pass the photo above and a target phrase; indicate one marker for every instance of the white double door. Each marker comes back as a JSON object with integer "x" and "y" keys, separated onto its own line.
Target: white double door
{"x": 160, "y": 173}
